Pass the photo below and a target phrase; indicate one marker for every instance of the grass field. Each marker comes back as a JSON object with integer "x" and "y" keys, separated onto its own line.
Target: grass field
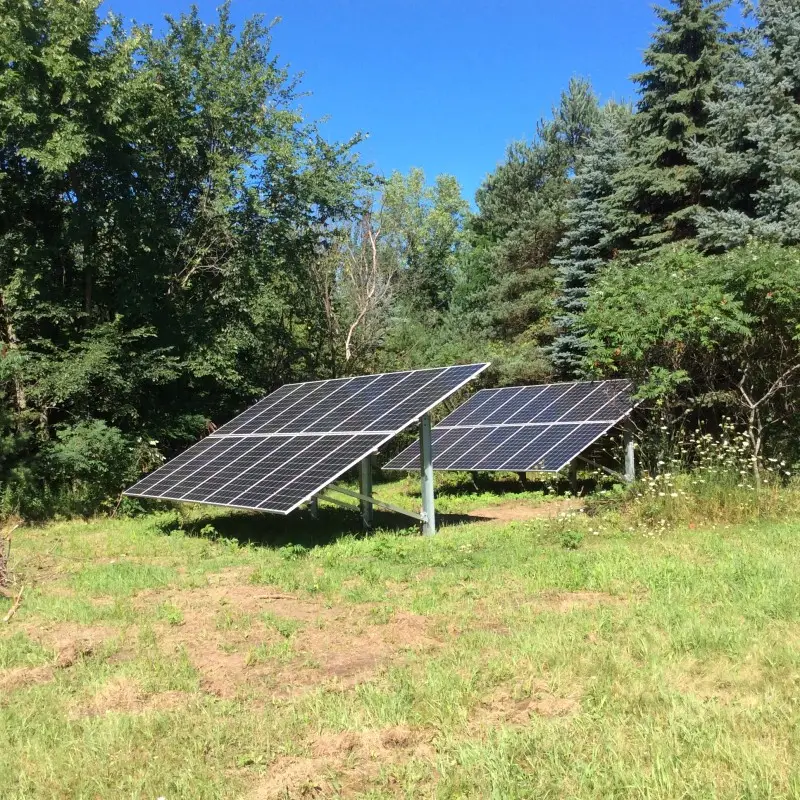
{"x": 246, "y": 656}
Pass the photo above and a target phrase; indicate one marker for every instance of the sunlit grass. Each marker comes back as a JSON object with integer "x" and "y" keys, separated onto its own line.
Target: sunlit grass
{"x": 589, "y": 656}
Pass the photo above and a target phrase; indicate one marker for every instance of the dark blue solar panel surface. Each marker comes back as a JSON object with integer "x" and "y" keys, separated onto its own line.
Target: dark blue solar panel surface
{"x": 279, "y": 396}
{"x": 291, "y": 444}
{"x": 530, "y": 428}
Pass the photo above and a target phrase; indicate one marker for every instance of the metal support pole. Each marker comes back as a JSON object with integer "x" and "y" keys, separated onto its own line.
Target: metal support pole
{"x": 630, "y": 454}
{"x": 313, "y": 507}
{"x": 366, "y": 490}
{"x": 573, "y": 477}
{"x": 426, "y": 474}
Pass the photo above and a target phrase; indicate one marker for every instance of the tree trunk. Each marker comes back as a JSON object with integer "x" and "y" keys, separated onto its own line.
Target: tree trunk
{"x": 755, "y": 434}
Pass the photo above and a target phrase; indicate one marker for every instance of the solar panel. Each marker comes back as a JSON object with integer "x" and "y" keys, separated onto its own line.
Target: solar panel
{"x": 287, "y": 447}
{"x": 524, "y": 428}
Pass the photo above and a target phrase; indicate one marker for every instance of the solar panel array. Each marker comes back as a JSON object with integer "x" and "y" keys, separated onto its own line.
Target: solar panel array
{"x": 283, "y": 450}
{"x": 524, "y": 428}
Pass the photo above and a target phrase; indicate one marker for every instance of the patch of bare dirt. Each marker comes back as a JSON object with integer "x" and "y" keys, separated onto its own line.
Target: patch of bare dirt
{"x": 349, "y": 648}
{"x": 339, "y": 645}
{"x": 124, "y": 695}
{"x": 66, "y": 592}
{"x": 344, "y": 764}
{"x": 229, "y": 576}
{"x": 724, "y": 682}
{"x": 503, "y": 708}
{"x": 21, "y": 677}
{"x": 520, "y": 511}
{"x": 69, "y": 640}
{"x": 551, "y": 601}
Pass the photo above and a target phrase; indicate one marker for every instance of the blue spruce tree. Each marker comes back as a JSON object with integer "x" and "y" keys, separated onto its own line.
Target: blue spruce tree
{"x": 752, "y": 154}
{"x": 587, "y": 245}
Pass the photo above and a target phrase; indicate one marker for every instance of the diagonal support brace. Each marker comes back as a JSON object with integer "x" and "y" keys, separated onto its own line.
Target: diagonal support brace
{"x": 618, "y": 475}
{"x": 373, "y": 500}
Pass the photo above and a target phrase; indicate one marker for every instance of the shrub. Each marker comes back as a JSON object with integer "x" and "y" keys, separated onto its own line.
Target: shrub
{"x": 571, "y": 539}
{"x": 88, "y": 465}
{"x": 704, "y": 337}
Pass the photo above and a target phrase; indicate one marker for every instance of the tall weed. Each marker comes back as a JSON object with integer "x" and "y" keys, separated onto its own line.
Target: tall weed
{"x": 714, "y": 478}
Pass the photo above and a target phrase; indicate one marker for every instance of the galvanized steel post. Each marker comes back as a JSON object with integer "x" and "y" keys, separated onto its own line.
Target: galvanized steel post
{"x": 426, "y": 470}
{"x": 630, "y": 454}
{"x": 366, "y": 490}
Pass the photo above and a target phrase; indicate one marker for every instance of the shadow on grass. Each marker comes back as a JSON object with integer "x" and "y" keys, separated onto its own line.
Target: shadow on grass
{"x": 268, "y": 530}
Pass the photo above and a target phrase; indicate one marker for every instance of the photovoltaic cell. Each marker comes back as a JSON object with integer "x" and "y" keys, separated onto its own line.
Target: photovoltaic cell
{"x": 287, "y": 447}
{"x": 334, "y": 461}
{"x": 524, "y": 429}
{"x": 515, "y": 441}
{"x": 255, "y": 465}
{"x": 261, "y": 407}
{"x": 471, "y": 406}
{"x": 149, "y": 481}
{"x": 340, "y": 406}
{"x": 214, "y": 449}
{"x": 575, "y": 442}
{"x": 484, "y": 410}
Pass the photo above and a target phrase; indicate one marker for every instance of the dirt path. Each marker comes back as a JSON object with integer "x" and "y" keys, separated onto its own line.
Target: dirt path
{"x": 521, "y": 511}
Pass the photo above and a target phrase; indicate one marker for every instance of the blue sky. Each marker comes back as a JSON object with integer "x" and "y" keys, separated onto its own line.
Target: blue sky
{"x": 441, "y": 84}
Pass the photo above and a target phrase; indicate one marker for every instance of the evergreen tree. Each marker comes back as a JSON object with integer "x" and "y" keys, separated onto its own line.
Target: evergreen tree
{"x": 587, "y": 244}
{"x": 752, "y": 155}
{"x": 660, "y": 189}
{"x": 522, "y": 210}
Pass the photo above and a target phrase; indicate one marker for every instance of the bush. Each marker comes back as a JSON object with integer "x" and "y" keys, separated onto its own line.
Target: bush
{"x": 706, "y": 337}
{"x": 571, "y": 539}
{"x": 88, "y": 465}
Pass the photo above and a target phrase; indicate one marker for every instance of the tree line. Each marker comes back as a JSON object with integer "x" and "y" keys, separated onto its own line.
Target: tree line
{"x": 176, "y": 240}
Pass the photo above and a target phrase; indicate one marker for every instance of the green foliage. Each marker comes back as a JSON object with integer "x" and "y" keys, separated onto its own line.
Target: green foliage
{"x": 587, "y": 243}
{"x": 293, "y": 552}
{"x": 176, "y": 240}
{"x": 165, "y": 522}
{"x": 423, "y": 226}
{"x": 710, "y": 477}
{"x": 170, "y": 613}
{"x": 161, "y": 197}
{"x": 285, "y": 626}
{"x": 752, "y": 154}
{"x": 423, "y": 235}
{"x": 660, "y": 189}
{"x": 91, "y": 462}
{"x": 571, "y": 539}
{"x": 521, "y": 220}
{"x": 694, "y": 331}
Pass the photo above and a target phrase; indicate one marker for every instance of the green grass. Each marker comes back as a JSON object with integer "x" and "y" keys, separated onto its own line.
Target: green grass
{"x": 591, "y": 657}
